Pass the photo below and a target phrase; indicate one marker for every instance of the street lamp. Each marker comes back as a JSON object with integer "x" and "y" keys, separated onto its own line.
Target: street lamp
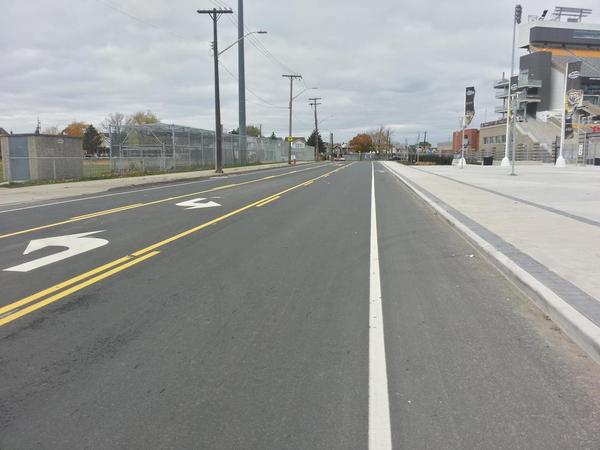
{"x": 510, "y": 113}
{"x": 307, "y": 89}
{"x": 243, "y": 37}
{"x": 242, "y": 92}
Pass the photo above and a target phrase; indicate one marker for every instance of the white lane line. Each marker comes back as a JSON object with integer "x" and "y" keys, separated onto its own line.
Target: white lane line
{"x": 165, "y": 186}
{"x": 380, "y": 435}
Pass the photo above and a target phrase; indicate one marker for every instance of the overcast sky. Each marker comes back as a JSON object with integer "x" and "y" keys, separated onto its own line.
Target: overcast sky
{"x": 389, "y": 62}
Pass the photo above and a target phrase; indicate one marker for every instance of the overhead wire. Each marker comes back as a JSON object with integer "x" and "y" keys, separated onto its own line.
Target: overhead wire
{"x": 180, "y": 36}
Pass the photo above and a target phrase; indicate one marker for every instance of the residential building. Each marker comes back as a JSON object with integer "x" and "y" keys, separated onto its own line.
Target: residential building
{"x": 297, "y": 142}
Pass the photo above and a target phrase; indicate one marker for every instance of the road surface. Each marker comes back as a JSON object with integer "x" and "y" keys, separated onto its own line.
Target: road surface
{"x": 272, "y": 310}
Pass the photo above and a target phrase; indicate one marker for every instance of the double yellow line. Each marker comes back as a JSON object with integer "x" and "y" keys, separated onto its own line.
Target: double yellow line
{"x": 139, "y": 205}
{"x": 54, "y": 293}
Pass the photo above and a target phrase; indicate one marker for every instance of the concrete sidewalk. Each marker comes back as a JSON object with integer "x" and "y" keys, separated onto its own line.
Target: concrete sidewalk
{"x": 46, "y": 192}
{"x": 542, "y": 226}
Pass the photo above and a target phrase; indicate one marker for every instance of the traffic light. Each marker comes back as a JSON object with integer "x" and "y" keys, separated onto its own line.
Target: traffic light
{"x": 518, "y": 12}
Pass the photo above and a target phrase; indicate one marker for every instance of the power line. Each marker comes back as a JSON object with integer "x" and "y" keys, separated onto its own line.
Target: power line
{"x": 226, "y": 69}
{"x": 180, "y": 36}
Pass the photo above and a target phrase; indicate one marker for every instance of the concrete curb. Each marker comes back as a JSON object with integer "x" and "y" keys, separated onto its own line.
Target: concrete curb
{"x": 47, "y": 192}
{"x": 578, "y": 327}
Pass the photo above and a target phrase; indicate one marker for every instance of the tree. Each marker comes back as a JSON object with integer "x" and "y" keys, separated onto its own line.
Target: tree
{"x": 251, "y": 130}
{"x": 381, "y": 138}
{"x": 361, "y": 143}
{"x": 273, "y": 136}
{"x": 312, "y": 141}
{"x": 114, "y": 122}
{"x": 75, "y": 129}
{"x": 92, "y": 141}
{"x": 142, "y": 118}
{"x": 51, "y": 130}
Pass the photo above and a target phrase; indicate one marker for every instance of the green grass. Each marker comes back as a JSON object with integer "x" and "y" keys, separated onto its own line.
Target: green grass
{"x": 99, "y": 169}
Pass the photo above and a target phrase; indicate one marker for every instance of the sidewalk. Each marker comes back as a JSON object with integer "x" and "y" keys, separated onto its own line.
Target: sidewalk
{"x": 542, "y": 226}
{"x": 45, "y": 192}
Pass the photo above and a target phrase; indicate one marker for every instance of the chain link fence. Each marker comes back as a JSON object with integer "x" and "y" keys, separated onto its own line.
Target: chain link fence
{"x": 170, "y": 148}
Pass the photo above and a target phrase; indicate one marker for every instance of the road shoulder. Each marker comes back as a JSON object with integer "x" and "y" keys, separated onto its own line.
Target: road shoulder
{"x": 576, "y": 311}
{"x": 47, "y": 192}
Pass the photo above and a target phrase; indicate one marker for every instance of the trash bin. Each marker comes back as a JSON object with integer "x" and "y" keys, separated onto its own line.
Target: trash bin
{"x": 597, "y": 161}
{"x": 488, "y": 160}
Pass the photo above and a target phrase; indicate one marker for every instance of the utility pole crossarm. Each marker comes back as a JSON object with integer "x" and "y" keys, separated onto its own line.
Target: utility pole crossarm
{"x": 215, "y": 12}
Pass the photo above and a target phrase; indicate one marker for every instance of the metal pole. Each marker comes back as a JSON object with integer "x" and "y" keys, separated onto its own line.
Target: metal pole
{"x": 290, "y": 128}
{"x": 331, "y": 144}
{"x": 513, "y": 143}
{"x": 560, "y": 161}
{"x": 242, "y": 85}
{"x": 505, "y": 161}
{"x": 462, "y": 143}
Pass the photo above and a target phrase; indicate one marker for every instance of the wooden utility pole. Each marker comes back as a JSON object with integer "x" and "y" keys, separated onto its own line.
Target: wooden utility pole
{"x": 215, "y": 14}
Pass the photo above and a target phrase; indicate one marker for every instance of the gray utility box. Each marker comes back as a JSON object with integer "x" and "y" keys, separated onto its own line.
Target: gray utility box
{"x": 29, "y": 157}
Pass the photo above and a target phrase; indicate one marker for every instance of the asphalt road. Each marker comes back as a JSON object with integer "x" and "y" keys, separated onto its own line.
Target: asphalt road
{"x": 274, "y": 317}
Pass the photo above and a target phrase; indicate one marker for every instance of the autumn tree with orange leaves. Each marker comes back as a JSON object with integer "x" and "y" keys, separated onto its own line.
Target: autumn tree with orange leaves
{"x": 75, "y": 129}
{"x": 361, "y": 143}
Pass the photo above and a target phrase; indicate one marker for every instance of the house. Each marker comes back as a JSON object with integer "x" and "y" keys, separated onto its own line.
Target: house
{"x": 297, "y": 142}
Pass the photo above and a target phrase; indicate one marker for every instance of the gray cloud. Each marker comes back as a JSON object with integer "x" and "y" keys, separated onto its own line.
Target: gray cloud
{"x": 395, "y": 63}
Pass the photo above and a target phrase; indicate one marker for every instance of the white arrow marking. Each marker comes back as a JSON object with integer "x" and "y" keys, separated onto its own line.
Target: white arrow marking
{"x": 196, "y": 203}
{"x": 75, "y": 243}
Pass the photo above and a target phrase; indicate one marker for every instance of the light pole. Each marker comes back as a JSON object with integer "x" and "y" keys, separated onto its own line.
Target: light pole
{"x": 515, "y": 101}
{"x": 240, "y": 40}
{"x": 509, "y": 113}
{"x": 242, "y": 84}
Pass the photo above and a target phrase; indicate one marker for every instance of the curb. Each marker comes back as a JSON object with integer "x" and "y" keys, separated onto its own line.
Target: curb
{"x": 578, "y": 327}
{"x": 40, "y": 193}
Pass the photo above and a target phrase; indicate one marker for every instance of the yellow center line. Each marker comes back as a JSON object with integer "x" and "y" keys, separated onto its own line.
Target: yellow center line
{"x": 62, "y": 285}
{"x": 108, "y": 211}
{"x": 139, "y": 205}
{"x": 77, "y": 287}
{"x": 123, "y": 263}
{"x": 272, "y": 199}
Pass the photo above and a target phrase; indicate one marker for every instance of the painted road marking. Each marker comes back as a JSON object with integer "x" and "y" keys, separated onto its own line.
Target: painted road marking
{"x": 12, "y": 312}
{"x": 197, "y": 203}
{"x": 380, "y": 435}
{"x": 29, "y": 309}
{"x": 164, "y": 186}
{"x": 155, "y": 202}
{"x": 75, "y": 243}
{"x": 269, "y": 200}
